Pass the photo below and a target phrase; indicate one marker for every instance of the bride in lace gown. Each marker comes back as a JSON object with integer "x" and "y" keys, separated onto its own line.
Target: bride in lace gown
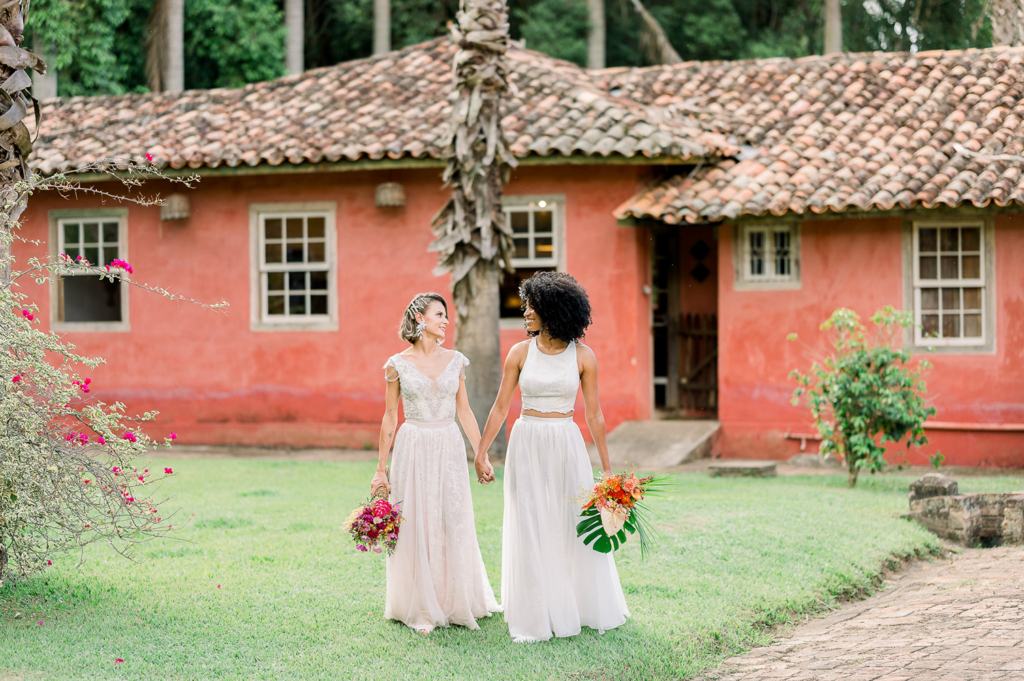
{"x": 436, "y": 575}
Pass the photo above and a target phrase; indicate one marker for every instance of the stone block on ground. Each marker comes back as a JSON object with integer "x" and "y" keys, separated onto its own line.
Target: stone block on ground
{"x": 646, "y": 445}
{"x": 741, "y": 469}
{"x": 1013, "y": 519}
{"x": 814, "y": 461}
{"x": 932, "y": 485}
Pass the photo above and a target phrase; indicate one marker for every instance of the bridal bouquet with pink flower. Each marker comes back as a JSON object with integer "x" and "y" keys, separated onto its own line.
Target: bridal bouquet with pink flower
{"x": 616, "y": 506}
{"x": 374, "y": 525}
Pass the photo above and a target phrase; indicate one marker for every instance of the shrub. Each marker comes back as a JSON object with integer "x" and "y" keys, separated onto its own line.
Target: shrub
{"x": 867, "y": 392}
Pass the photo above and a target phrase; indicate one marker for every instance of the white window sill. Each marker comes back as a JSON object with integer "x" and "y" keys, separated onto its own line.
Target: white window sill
{"x": 325, "y": 325}
{"x": 91, "y": 327}
{"x": 754, "y": 285}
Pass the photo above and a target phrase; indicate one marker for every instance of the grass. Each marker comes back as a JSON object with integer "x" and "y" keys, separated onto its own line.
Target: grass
{"x": 268, "y": 586}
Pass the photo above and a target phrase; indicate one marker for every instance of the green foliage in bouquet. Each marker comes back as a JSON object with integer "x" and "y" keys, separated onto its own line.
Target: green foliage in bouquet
{"x": 616, "y": 506}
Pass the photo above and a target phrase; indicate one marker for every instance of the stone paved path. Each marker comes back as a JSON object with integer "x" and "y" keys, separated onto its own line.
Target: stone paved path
{"x": 960, "y": 618}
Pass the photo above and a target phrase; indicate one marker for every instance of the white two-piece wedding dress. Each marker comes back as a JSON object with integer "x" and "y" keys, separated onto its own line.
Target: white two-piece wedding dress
{"x": 551, "y": 583}
{"x": 436, "y": 575}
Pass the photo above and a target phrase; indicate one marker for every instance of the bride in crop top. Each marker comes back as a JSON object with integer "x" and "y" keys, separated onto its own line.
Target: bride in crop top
{"x": 551, "y": 583}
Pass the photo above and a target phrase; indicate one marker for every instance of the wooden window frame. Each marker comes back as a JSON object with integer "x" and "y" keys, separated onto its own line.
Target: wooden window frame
{"x": 557, "y": 261}
{"x": 259, "y": 319}
{"x": 57, "y": 218}
{"x": 984, "y": 282}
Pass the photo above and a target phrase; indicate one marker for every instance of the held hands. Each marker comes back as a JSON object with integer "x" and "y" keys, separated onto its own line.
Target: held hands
{"x": 380, "y": 479}
{"x": 484, "y": 469}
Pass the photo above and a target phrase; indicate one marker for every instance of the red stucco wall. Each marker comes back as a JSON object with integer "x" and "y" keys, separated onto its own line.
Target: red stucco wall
{"x": 216, "y": 381}
{"x": 858, "y": 264}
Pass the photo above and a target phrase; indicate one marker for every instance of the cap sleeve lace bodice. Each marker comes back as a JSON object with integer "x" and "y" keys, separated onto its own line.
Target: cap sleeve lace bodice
{"x": 424, "y": 398}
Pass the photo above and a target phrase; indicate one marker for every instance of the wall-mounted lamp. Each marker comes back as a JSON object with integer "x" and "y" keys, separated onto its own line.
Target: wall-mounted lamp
{"x": 175, "y": 207}
{"x": 390, "y": 195}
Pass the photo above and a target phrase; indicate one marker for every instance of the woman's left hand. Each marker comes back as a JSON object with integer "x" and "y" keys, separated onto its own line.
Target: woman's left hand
{"x": 607, "y": 472}
{"x": 484, "y": 470}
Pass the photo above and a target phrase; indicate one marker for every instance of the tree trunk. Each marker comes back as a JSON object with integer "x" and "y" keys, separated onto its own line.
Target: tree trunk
{"x": 478, "y": 337}
{"x": 294, "y": 43}
{"x": 381, "y": 26}
{"x": 833, "y": 27}
{"x": 174, "y": 77}
{"x": 853, "y": 470}
{"x": 595, "y": 34}
{"x": 44, "y": 85}
{"x": 1007, "y": 22}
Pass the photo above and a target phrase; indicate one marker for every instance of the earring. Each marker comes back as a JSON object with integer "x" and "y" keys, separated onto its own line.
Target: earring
{"x": 419, "y": 329}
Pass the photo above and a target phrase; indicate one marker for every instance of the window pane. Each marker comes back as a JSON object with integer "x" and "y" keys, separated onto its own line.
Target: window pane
{"x": 72, "y": 253}
{"x": 929, "y": 267}
{"x": 110, "y": 232}
{"x": 522, "y": 248}
{"x": 510, "y": 301}
{"x": 273, "y": 253}
{"x": 316, "y": 227}
{"x": 275, "y": 281}
{"x": 296, "y": 281}
{"x": 294, "y": 226}
{"x": 950, "y": 267}
{"x": 543, "y": 248}
{"x": 316, "y": 251}
{"x": 318, "y": 281}
{"x": 275, "y": 305}
{"x": 272, "y": 228}
{"x": 520, "y": 221}
{"x": 109, "y": 254}
{"x": 318, "y": 304}
{"x": 950, "y": 239}
{"x": 294, "y": 252}
{"x": 929, "y": 299}
{"x": 972, "y": 238}
{"x": 297, "y": 304}
{"x": 92, "y": 255}
{"x": 91, "y": 233}
{"x": 542, "y": 222}
{"x": 972, "y": 326}
{"x": 950, "y": 326}
{"x": 71, "y": 234}
{"x": 927, "y": 240}
{"x": 950, "y": 299}
{"x": 972, "y": 267}
{"x": 91, "y": 299}
{"x": 930, "y": 325}
{"x": 756, "y": 253}
{"x": 972, "y": 298}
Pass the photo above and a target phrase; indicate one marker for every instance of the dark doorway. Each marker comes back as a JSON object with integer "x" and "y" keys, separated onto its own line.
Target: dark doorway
{"x": 684, "y": 300}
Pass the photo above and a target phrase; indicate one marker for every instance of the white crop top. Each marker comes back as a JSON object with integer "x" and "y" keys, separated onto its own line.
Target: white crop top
{"x": 549, "y": 383}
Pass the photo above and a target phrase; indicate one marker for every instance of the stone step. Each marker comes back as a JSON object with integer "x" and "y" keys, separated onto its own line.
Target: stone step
{"x": 652, "y": 445}
{"x": 738, "y": 469}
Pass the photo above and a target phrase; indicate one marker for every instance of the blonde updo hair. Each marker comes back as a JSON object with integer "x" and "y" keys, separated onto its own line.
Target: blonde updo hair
{"x": 408, "y": 328}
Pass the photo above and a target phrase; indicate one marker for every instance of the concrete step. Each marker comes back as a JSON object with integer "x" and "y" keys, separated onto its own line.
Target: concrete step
{"x": 651, "y": 445}
{"x": 742, "y": 469}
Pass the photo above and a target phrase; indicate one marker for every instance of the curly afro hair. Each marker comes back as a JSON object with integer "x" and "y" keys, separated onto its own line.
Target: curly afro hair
{"x": 560, "y": 302}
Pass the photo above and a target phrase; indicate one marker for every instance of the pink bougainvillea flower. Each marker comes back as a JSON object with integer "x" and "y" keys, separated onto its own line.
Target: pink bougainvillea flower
{"x": 49, "y": 562}
{"x": 99, "y": 438}
{"x": 149, "y": 157}
{"x": 169, "y": 471}
{"x": 173, "y": 435}
{"x": 218, "y": 586}
{"x": 27, "y": 315}
{"x": 40, "y": 624}
{"x": 118, "y": 661}
{"x": 17, "y": 379}
{"x": 130, "y": 436}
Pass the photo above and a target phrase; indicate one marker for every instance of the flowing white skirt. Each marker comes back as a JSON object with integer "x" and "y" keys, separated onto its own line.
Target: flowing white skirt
{"x": 436, "y": 575}
{"x": 551, "y": 583}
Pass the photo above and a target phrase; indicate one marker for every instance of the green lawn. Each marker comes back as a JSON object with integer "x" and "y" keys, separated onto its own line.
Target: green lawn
{"x": 268, "y": 586}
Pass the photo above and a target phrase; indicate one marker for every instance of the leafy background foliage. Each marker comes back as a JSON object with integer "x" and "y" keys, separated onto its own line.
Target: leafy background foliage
{"x": 98, "y": 46}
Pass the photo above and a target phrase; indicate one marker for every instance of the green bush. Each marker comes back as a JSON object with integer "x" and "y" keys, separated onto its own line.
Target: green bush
{"x": 867, "y": 392}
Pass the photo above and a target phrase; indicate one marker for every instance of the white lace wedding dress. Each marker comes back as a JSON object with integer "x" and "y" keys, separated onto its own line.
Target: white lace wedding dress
{"x": 436, "y": 575}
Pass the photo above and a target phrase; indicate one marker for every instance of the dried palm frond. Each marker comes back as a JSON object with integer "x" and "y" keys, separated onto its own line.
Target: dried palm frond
{"x": 654, "y": 43}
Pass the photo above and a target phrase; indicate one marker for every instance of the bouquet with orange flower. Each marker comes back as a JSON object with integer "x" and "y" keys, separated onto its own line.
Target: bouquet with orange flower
{"x": 616, "y": 506}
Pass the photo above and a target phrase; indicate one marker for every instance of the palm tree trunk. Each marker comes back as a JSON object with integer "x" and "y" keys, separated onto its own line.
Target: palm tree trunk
{"x": 381, "y": 26}
{"x": 44, "y": 85}
{"x": 595, "y": 34}
{"x": 833, "y": 27}
{"x": 294, "y": 48}
{"x": 473, "y": 238}
{"x": 174, "y": 78}
{"x": 1007, "y": 18}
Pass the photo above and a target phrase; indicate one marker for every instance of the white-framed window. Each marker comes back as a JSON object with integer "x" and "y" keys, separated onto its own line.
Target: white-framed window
{"x": 538, "y": 237}
{"x": 769, "y": 254}
{"x": 949, "y": 263}
{"x": 294, "y": 274}
{"x": 86, "y": 302}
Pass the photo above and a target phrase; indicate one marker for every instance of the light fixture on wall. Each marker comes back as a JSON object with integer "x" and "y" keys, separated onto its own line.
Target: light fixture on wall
{"x": 390, "y": 195}
{"x": 175, "y": 207}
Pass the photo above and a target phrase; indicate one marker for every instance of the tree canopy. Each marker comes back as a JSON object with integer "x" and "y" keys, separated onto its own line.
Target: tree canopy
{"x": 98, "y": 46}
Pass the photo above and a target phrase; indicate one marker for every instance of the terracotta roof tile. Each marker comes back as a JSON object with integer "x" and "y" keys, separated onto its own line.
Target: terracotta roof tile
{"x": 847, "y": 132}
{"x": 391, "y": 106}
